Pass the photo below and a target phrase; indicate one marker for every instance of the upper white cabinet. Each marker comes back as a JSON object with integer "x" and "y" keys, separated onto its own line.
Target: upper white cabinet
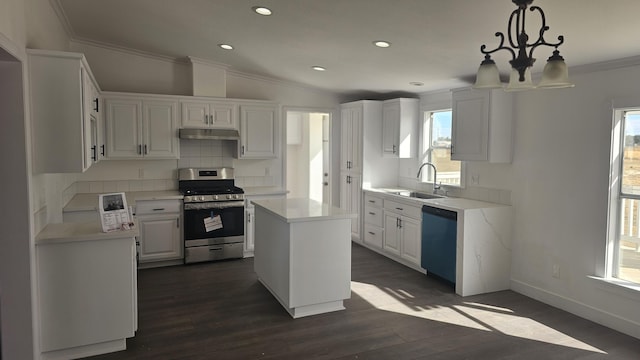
{"x": 64, "y": 108}
{"x": 204, "y": 113}
{"x": 141, "y": 127}
{"x": 400, "y": 127}
{"x": 258, "y": 130}
{"x": 482, "y": 125}
{"x": 351, "y": 140}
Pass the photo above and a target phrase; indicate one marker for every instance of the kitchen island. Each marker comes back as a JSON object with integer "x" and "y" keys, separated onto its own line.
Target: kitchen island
{"x": 303, "y": 254}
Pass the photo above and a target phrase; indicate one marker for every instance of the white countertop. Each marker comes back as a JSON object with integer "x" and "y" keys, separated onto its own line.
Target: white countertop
{"x": 264, "y": 191}
{"x": 72, "y": 232}
{"x": 298, "y": 210}
{"x": 448, "y": 203}
{"x": 88, "y": 202}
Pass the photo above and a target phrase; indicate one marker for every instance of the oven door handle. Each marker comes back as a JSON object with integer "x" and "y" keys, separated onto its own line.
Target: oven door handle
{"x": 214, "y": 205}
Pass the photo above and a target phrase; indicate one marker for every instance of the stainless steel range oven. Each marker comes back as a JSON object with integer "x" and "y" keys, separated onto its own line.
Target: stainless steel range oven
{"x": 213, "y": 214}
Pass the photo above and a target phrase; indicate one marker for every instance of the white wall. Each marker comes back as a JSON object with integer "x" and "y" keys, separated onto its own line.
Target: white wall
{"x": 559, "y": 182}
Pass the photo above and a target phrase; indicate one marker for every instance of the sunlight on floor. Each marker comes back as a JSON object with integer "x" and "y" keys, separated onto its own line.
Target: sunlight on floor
{"x": 472, "y": 315}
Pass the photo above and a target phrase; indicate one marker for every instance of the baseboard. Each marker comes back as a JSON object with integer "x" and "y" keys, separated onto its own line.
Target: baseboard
{"x": 585, "y": 311}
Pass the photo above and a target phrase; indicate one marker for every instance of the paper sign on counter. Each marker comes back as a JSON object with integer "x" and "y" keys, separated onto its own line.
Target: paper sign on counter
{"x": 213, "y": 223}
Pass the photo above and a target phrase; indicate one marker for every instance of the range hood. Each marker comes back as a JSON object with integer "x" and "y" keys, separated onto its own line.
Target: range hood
{"x": 209, "y": 134}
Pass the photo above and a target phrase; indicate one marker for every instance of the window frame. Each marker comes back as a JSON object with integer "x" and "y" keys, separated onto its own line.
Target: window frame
{"x": 609, "y": 267}
{"x": 426, "y": 149}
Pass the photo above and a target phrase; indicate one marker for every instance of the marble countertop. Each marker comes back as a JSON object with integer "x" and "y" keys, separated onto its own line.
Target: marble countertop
{"x": 89, "y": 202}
{"x": 264, "y": 190}
{"x": 448, "y": 203}
{"x": 72, "y": 232}
{"x": 299, "y": 210}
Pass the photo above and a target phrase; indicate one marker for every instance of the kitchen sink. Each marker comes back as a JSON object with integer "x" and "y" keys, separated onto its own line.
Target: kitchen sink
{"x": 419, "y": 195}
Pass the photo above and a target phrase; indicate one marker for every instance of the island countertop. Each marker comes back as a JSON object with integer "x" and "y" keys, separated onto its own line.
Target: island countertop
{"x": 300, "y": 209}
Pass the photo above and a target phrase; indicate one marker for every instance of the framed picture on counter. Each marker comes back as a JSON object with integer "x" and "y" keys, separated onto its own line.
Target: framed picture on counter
{"x": 114, "y": 212}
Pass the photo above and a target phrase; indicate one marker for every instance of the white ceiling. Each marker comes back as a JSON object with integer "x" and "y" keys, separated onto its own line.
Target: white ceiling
{"x": 435, "y": 42}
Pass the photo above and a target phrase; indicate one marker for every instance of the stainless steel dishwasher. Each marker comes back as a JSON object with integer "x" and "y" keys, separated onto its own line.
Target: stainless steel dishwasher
{"x": 439, "y": 233}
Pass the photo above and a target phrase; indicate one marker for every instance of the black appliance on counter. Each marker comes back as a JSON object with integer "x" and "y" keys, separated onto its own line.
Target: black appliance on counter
{"x": 213, "y": 214}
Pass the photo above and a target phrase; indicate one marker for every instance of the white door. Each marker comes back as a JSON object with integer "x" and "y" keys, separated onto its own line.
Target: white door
{"x": 390, "y": 127}
{"x": 159, "y": 237}
{"x": 258, "y": 126}
{"x": 195, "y": 114}
{"x": 391, "y": 241}
{"x": 411, "y": 241}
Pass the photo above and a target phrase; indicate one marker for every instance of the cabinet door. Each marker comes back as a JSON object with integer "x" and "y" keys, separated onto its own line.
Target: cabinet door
{"x": 356, "y": 201}
{"x": 124, "y": 128}
{"x": 258, "y": 129}
{"x": 351, "y": 139}
{"x": 470, "y": 121}
{"x": 390, "y": 128}
{"x": 160, "y": 237}
{"x": 159, "y": 129}
{"x": 391, "y": 233}
{"x": 249, "y": 244}
{"x": 223, "y": 115}
{"x": 195, "y": 114}
{"x": 411, "y": 239}
{"x": 345, "y": 138}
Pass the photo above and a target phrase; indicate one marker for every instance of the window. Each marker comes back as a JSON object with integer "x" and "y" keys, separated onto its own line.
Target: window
{"x": 436, "y": 149}
{"x": 623, "y": 258}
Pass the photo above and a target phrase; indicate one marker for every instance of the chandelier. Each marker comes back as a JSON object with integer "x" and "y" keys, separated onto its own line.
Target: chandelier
{"x": 555, "y": 73}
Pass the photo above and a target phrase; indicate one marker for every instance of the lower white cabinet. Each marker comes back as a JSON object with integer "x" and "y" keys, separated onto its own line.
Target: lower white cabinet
{"x": 373, "y": 216}
{"x": 249, "y": 219}
{"x": 160, "y": 233}
{"x": 87, "y": 290}
{"x": 350, "y": 198}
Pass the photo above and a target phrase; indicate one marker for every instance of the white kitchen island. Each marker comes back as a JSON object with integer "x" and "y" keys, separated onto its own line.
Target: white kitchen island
{"x": 303, "y": 254}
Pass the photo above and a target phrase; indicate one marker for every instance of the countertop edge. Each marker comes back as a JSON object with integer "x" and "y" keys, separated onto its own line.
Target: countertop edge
{"x": 78, "y": 232}
{"x": 337, "y": 216}
{"x": 447, "y": 203}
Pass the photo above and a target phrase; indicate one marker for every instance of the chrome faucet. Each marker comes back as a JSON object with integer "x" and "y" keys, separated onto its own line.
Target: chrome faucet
{"x": 436, "y": 186}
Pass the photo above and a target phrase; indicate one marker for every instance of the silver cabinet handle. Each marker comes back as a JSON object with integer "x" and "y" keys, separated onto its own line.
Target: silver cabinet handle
{"x": 372, "y": 233}
{"x": 401, "y": 209}
{"x": 158, "y": 209}
{"x": 371, "y": 213}
{"x": 248, "y": 217}
{"x": 140, "y": 149}
{"x": 394, "y": 149}
{"x": 242, "y": 147}
{"x": 145, "y": 149}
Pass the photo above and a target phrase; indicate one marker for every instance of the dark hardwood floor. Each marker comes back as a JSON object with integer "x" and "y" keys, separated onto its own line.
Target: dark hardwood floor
{"x": 220, "y": 311}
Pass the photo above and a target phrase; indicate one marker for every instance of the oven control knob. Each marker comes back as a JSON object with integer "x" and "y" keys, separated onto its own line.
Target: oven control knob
{"x": 228, "y": 196}
{"x": 201, "y": 198}
{"x": 215, "y": 197}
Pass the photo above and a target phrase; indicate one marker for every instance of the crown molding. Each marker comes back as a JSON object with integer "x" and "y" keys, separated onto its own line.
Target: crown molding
{"x": 275, "y": 81}
{"x": 62, "y": 16}
{"x": 129, "y": 51}
{"x": 200, "y": 61}
{"x": 605, "y": 65}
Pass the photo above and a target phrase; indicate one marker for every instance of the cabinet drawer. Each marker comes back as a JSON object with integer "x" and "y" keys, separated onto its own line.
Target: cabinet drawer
{"x": 157, "y": 206}
{"x": 370, "y": 200}
{"x": 373, "y": 235}
{"x": 373, "y": 215}
{"x": 403, "y": 209}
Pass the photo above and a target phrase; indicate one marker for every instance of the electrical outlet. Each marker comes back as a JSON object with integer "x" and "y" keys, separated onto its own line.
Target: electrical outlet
{"x": 555, "y": 271}
{"x": 475, "y": 179}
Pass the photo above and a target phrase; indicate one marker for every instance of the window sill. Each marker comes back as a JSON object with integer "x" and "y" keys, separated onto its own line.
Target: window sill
{"x": 618, "y": 287}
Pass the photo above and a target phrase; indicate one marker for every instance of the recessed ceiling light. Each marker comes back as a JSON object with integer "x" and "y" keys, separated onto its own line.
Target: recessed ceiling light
{"x": 318, "y": 68}
{"x": 261, "y": 10}
{"x": 226, "y": 46}
{"x": 381, "y": 43}
{"x": 416, "y": 83}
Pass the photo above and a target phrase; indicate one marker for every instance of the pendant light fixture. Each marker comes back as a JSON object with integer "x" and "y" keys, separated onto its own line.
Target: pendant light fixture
{"x": 555, "y": 73}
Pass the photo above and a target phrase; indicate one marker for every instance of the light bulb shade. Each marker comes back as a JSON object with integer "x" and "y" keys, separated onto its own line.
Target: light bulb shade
{"x": 488, "y": 76}
{"x": 516, "y": 85}
{"x": 555, "y": 75}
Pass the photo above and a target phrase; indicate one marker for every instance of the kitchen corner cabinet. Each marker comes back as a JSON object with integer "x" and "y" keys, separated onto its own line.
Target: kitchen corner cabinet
{"x": 482, "y": 125}
{"x": 209, "y": 114}
{"x": 64, "y": 101}
{"x": 141, "y": 127}
{"x": 258, "y": 131}
{"x": 400, "y": 128}
{"x": 160, "y": 234}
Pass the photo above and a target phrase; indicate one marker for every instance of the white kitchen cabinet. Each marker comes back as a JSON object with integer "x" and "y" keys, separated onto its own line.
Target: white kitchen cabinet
{"x": 258, "y": 131}
{"x": 482, "y": 126}
{"x": 351, "y": 138}
{"x": 400, "y": 127}
{"x": 141, "y": 127}
{"x": 350, "y": 199}
{"x": 402, "y": 230}
{"x": 160, "y": 234}
{"x": 209, "y": 114}
{"x": 86, "y": 279}
{"x": 373, "y": 221}
{"x": 62, "y": 96}
{"x": 249, "y": 218}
